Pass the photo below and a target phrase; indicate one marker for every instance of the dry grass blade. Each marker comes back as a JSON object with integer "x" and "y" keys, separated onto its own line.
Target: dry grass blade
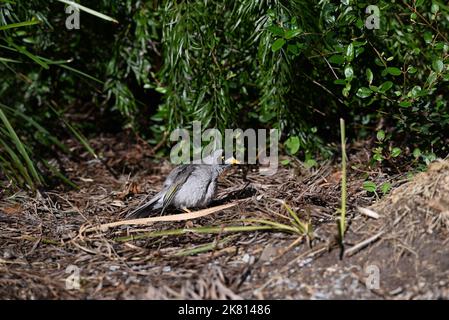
{"x": 368, "y": 212}
{"x": 363, "y": 244}
{"x": 174, "y": 217}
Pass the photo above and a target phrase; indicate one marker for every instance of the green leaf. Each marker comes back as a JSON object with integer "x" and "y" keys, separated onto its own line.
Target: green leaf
{"x": 431, "y": 78}
{"x": 405, "y": 104}
{"x": 384, "y": 87}
{"x": 428, "y": 37}
{"x": 364, "y": 92}
{"x": 385, "y": 187}
{"x": 278, "y": 31}
{"x": 294, "y": 49}
{"x": 292, "y": 144}
{"x": 380, "y": 135}
{"x": 429, "y": 157}
{"x": 292, "y": 33}
{"x": 374, "y": 88}
{"x": 346, "y": 90}
{"x": 369, "y": 75}
{"x": 369, "y": 186}
{"x": 437, "y": 65}
{"x": 435, "y": 8}
{"x": 350, "y": 52}
{"x": 349, "y": 72}
{"x": 416, "y": 152}
{"x": 395, "y": 152}
{"x": 278, "y": 44}
{"x": 412, "y": 70}
{"x": 337, "y": 59}
{"x": 162, "y": 90}
{"x": 378, "y": 157}
{"x": 441, "y": 46}
{"x": 414, "y": 92}
{"x": 310, "y": 163}
{"x": 340, "y": 81}
{"x": 285, "y": 162}
{"x": 394, "y": 71}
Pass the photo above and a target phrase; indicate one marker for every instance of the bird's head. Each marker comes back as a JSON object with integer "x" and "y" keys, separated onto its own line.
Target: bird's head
{"x": 217, "y": 158}
{"x": 214, "y": 158}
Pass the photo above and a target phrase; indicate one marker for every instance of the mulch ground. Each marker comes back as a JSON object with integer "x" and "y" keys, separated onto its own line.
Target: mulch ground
{"x": 395, "y": 247}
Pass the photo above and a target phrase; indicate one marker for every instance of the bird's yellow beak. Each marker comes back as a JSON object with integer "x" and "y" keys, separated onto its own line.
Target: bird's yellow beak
{"x": 232, "y": 161}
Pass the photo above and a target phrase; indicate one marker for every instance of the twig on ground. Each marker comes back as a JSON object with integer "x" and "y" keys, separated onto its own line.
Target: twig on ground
{"x": 363, "y": 244}
{"x": 145, "y": 221}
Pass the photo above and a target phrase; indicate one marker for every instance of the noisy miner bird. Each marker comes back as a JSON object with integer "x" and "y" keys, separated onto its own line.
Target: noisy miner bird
{"x": 187, "y": 186}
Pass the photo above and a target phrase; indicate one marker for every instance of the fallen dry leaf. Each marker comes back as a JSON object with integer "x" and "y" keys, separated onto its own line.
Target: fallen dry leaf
{"x": 12, "y": 210}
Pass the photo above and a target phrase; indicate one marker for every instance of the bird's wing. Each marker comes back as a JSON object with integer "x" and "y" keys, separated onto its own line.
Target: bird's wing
{"x": 176, "y": 184}
{"x": 145, "y": 209}
{"x": 174, "y": 174}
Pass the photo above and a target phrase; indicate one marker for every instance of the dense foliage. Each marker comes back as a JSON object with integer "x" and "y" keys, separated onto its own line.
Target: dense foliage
{"x": 294, "y": 65}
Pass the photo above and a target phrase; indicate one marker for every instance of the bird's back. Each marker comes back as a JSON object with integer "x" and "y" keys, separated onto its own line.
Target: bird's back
{"x": 174, "y": 174}
{"x": 199, "y": 187}
{"x": 186, "y": 186}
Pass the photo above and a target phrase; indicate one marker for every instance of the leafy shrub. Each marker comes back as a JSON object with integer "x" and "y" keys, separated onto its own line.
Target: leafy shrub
{"x": 294, "y": 65}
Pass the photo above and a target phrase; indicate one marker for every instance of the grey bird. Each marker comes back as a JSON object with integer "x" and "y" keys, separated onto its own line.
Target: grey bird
{"x": 187, "y": 186}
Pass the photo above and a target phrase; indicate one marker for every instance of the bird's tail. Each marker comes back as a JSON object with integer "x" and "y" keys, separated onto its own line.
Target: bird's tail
{"x": 145, "y": 210}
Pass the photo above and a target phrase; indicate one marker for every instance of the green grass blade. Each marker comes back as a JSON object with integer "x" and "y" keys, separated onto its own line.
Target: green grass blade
{"x": 88, "y": 10}
{"x": 62, "y": 64}
{"x": 206, "y": 230}
{"x": 81, "y": 138}
{"x": 204, "y": 247}
{"x": 28, "y": 54}
{"x": 302, "y": 227}
{"x": 37, "y": 126}
{"x": 80, "y": 73}
{"x": 9, "y": 171}
{"x": 78, "y": 135}
{"x": 48, "y": 62}
{"x": 275, "y": 225}
{"x": 342, "y": 222}
{"x": 9, "y": 60}
{"x": 59, "y": 175}
{"x": 20, "y": 24}
{"x": 21, "y": 171}
{"x": 20, "y": 147}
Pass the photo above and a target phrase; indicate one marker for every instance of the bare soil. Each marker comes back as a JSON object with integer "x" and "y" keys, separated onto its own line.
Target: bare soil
{"x": 397, "y": 250}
